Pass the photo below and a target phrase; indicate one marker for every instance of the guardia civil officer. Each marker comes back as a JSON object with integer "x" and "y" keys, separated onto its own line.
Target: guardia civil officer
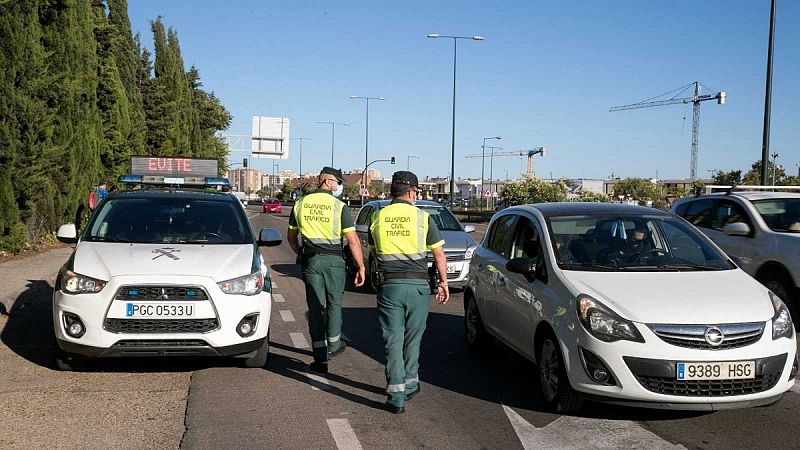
{"x": 321, "y": 220}
{"x": 400, "y": 237}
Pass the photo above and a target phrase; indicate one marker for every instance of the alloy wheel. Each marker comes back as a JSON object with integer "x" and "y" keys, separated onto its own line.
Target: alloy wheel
{"x": 549, "y": 367}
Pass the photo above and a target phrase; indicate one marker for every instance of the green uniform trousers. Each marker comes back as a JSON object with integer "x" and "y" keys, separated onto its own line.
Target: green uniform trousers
{"x": 402, "y": 314}
{"x": 324, "y": 277}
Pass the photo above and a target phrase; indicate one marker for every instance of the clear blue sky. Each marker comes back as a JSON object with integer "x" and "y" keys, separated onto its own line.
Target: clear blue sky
{"x": 546, "y": 75}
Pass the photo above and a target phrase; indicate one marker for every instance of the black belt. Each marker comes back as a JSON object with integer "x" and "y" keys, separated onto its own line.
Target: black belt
{"x": 406, "y": 275}
{"x": 307, "y": 252}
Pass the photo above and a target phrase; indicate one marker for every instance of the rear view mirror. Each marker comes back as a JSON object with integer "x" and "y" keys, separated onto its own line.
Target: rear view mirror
{"x": 522, "y": 265}
{"x": 269, "y": 237}
{"x": 736, "y": 229}
{"x": 67, "y": 234}
{"x": 469, "y": 228}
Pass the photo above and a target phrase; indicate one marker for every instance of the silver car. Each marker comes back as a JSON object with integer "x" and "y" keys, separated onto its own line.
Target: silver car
{"x": 760, "y": 229}
{"x": 458, "y": 247}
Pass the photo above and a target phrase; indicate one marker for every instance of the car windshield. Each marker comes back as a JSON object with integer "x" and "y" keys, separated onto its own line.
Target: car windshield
{"x": 781, "y": 215}
{"x": 169, "y": 220}
{"x": 631, "y": 243}
{"x": 444, "y": 219}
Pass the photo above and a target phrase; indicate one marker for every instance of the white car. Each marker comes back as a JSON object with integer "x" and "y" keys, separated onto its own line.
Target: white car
{"x": 760, "y": 229}
{"x": 164, "y": 272}
{"x": 627, "y": 305}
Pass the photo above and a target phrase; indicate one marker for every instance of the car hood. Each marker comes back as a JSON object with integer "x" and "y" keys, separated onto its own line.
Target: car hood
{"x": 104, "y": 260}
{"x": 711, "y": 297}
{"x": 456, "y": 240}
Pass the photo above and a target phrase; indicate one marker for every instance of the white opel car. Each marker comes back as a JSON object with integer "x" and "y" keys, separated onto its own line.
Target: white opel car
{"x": 164, "y": 272}
{"x": 629, "y": 305}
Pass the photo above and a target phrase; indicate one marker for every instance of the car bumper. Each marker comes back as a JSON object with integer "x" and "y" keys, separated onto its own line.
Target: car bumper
{"x": 459, "y": 277}
{"x": 644, "y": 374}
{"x": 120, "y": 336}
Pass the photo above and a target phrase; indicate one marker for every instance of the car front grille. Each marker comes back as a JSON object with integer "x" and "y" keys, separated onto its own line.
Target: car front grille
{"x": 449, "y": 257}
{"x": 712, "y": 388}
{"x": 161, "y": 325}
{"x": 161, "y": 293}
{"x": 693, "y": 336}
{"x": 150, "y": 343}
{"x": 659, "y": 376}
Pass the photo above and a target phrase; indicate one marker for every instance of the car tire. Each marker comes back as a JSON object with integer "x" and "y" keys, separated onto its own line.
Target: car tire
{"x": 67, "y": 363}
{"x": 475, "y": 333}
{"x": 557, "y": 394}
{"x": 259, "y": 360}
{"x": 372, "y": 271}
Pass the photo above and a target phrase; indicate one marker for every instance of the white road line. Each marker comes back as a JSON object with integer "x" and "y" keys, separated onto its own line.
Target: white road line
{"x": 299, "y": 340}
{"x": 318, "y": 382}
{"x": 278, "y": 298}
{"x": 796, "y": 387}
{"x": 250, "y": 217}
{"x": 287, "y": 315}
{"x": 581, "y": 433}
{"x": 343, "y": 434}
{"x": 274, "y": 285}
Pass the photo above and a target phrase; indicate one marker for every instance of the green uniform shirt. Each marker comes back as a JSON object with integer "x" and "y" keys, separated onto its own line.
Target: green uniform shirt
{"x": 318, "y": 223}
{"x": 432, "y": 239}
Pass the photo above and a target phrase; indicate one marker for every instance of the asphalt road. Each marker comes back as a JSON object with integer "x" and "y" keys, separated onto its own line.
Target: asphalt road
{"x": 468, "y": 400}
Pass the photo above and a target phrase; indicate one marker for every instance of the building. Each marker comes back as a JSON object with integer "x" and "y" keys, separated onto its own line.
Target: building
{"x": 245, "y": 179}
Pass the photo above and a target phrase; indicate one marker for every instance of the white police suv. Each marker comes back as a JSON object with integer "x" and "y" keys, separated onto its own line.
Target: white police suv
{"x": 171, "y": 270}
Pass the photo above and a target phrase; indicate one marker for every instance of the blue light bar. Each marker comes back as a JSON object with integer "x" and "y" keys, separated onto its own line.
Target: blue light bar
{"x": 217, "y": 181}
{"x": 130, "y": 179}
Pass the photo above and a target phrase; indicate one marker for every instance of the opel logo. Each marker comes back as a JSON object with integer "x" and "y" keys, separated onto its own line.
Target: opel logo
{"x": 714, "y": 336}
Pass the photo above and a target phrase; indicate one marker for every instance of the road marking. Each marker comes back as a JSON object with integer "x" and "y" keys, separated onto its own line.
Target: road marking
{"x": 299, "y": 340}
{"x": 318, "y": 382}
{"x": 278, "y": 298}
{"x": 250, "y": 217}
{"x": 287, "y": 315}
{"x": 580, "y": 433}
{"x": 796, "y": 387}
{"x": 274, "y": 285}
{"x": 343, "y": 434}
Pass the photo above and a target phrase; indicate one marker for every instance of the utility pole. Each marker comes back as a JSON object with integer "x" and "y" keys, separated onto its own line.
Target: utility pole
{"x": 774, "y": 166}
{"x": 768, "y": 96}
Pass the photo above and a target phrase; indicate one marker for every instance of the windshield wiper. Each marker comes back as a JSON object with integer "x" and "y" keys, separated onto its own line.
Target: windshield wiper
{"x": 107, "y": 239}
{"x": 593, "y": 266}
{"x": 691, "y": 267}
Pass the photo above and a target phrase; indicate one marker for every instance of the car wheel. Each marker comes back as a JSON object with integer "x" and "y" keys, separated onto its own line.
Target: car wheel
{"x": 557, "y": 393}
{"x": 67, "y": 363}
{"x": 373, "y": 274}
{"x": 259, "y": 360}
{"x": 477, "y": 336}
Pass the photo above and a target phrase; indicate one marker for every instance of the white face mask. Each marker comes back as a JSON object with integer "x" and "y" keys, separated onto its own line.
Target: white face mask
{"x": 338, "y": 191}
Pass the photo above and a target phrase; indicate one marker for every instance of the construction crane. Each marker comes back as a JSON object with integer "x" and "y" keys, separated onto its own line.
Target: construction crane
{"x": 528, "y": 153}
{"x": 695, "y": 100}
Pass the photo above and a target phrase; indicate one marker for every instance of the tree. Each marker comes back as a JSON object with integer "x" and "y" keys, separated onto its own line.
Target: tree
{"x": 731, "y": 178}
{"x": 534, "y": 190}
{"x": 753, "y": 176}
{"x": 637, "y": 189}
{"x": 591, "y": 196}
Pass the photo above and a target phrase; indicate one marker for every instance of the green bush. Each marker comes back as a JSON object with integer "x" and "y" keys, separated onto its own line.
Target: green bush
{"x": 16, "y": 241}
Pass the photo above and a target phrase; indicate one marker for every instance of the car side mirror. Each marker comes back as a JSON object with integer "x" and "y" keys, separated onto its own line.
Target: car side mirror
{"x": 67, "y": 234}
{"x": 269, "y": 237}
{"x": 736, "y": 229}
{"x": 469, "y": 228}
{"x": 522, "y": 265}
{"x": 362, "y": 228}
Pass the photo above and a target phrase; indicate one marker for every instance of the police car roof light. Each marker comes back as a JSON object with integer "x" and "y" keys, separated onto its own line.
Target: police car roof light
{"x": 130, "y": 179}
{"x": 217, "y": 181}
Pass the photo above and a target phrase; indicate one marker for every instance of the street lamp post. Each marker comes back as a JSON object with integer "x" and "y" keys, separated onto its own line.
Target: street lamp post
{"x": 483, "y": 160}
{"x": 366, "y": 138}
{"x": 491, "y": 169}
{"x": 408, "y": 161}
{"x": 301, "y": 139}
{"x": 272, "y": 180}
{"x": 453, "y": 141}
{"x": 333, "y": 135}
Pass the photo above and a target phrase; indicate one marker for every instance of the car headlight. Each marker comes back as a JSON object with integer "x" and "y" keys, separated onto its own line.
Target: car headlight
{"x": 74, "y": 283}
{"x": 603, "y": 323}
{"x": 470, "y": 251}
{"x": 782, "y": 320}
{"x": 247, "y": 285}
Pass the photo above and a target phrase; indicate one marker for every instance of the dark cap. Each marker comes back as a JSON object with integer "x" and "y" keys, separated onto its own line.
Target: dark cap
{"x": 404, "y": 177}
{"x": 337, "y": 173}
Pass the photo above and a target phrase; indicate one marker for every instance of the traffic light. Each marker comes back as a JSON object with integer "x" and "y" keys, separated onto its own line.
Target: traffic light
{"x": 392, "y": 161}
{"x": 244, "y": 162}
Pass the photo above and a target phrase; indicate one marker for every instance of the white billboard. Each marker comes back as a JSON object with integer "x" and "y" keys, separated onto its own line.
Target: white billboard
{"x": 270, "y": 137}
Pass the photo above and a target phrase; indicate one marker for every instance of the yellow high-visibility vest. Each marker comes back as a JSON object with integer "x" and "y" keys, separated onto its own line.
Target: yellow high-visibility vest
{"x": 399, "y": 232}
{"x": 319, "y": 218}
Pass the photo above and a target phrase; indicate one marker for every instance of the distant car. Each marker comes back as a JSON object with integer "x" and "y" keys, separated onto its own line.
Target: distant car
{"x": 627, "y": 305}
{"x": 760, "y": 229}
{"x": 272, "y": 205}
{"x": 458, "y": 246}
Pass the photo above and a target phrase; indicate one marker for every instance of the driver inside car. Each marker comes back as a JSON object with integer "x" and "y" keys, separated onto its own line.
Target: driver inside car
{"x": 630, "y": 250}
